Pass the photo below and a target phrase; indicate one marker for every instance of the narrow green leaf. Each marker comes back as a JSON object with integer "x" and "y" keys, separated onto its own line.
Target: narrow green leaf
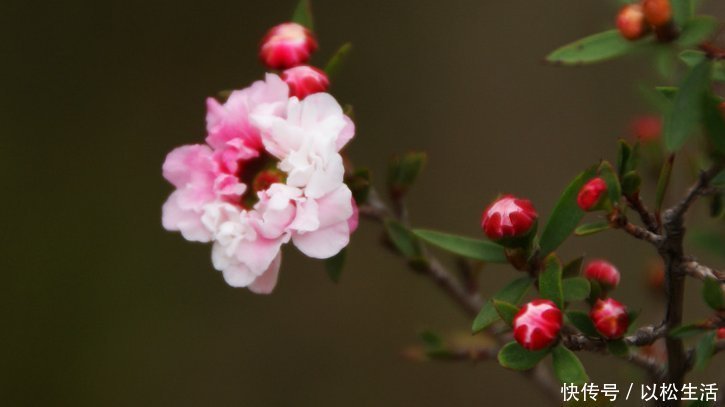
{"x": 595, "y": 48}
{"x": 712, "y": 293}
{"x": 669, "y": 92}
{"x": 303, "y": 14}
{"x": 567, "y": 367}
{"x": 403, "y": 239}
{"x": 682, "y": 11}
{"x": 704, "y": 350}
{"x": 506, "y": 311}
{"x": 335, "y": 264}
{"x": 514, "y": 356}
{"x": 550, "y": 285}
{"x": 618, "y": 348}
{"x": 686, "y": 112}
{"x": 663, "y": 182}
{"x": 686, "y": 331}
{"x": 575, "y": 288}
{"x": 631, "y": 183}
{"x": 714, "y": 122}
{"x": 431, "y": 340}
{"x": 573, "y": 268}
{"x": 696, "y": 30}
{"x": 482, "y": 250}
{"x": 582, "y": 322}
{"x": 337, "y": 61}
{"x": 511, "y": 293}
{"x": 566, "y": 215}
{"x": 403, "y": 170}
{"x": 624, "y": 153}
{"x": 592, "y": 228}
{"x": 606, "y": 171}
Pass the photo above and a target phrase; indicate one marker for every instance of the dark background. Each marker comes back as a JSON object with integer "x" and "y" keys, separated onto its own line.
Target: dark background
{"x": 101, "y": 306}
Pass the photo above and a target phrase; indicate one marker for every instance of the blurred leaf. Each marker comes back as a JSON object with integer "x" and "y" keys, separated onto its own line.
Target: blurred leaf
{"x": 404, "y": 170}
{"x": 682, "y": 11}
{"x": 582, "y": 322}
{"x": 506, "y": 311}
{"x": 303, "y": 14}
{"x": 669, "y": 92}
{"x": 714, "y": 122}
{"x": 663, "y": 182}
{"x": 627, "y": 157}
{"x": 567, "y": 367}
{"x": 592, "y": 228}
{"x": 606, "y": 172}
{"x": 692, "y": 58}
{"x": 712, "y": 294}
{"x": 686, "y": 331}
{"x": 566, "y": 215}
{"x": 335, "y": 264}
{"x": 337, "y": 61}
{"x": 632, "y": 316}
{"x": 511, "y": 293}
{"x": 431, "y": 340}
{"x": 618, "y": 348}
{"x": 716, "y": 205}
{"x": 575, "y": 288}
{"x": 359, "y": 183}
{"x": 595, "y": 291}
{"x": 704, "y": 350}
{"x": 686, "y": 111}
{"x": 514, "y": 356}
{"x": 550, "y": 285}
{"x": 631, "y": 183}
{"x": 595, "y": 48}
{"x": 713, "y": 242}
{"x": 403, "y": 239}
{"x": 573, "y": 268}
{"x": 463, "y": 246}
{"x": 696, "y": 30}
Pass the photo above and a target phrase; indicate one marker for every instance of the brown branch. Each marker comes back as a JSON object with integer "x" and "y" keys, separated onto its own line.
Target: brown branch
{"x": 620, "y": 221}
{"x": 648, "y": 218}
{"x": 701, "y": 271}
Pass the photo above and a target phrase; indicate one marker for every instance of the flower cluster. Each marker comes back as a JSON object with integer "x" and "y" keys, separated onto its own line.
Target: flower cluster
{"x": 270, "y": 173}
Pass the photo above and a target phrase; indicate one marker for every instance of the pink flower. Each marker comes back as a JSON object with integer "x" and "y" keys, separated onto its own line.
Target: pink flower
{"x": 603, "y": 272}
{"x": 305, "y": 80}
{"x": 287, "y": 45}
{"x": 508, "y": 217}
{"x": 610, "y": 318}
{"x": 537, "y": 324}
{"x": 592, "y": 194}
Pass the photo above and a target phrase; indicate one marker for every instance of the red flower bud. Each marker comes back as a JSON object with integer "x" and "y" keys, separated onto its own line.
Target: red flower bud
{"x": 592, "y": 194}
{"x": 537, "y": 324}
{"x": 657, "y": 12}
{"x": 646, "y": 128}
{"x": 603, "y": 272}
{"x": 610, "y": 318}
{"x": 721, "y": 333}
{"x": 287, "y": 45}
{"x": 508, "y": 217}
{"x": 305, "y": 80}
{"x": 630, "y": 22}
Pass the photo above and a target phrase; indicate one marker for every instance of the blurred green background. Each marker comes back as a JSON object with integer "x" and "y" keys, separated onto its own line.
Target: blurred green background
{"x": 102, "y": 307}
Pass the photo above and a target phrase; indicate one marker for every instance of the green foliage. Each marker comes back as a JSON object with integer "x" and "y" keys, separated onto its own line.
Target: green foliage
{"x": 714, "y": 123}
{"x": 618, "y": 348}
{"x": 506, "y": 311}
{"x": 514, "y": 356}
{"x": 575, "y": 288}
{"x": 595, "y": 48}
{"x": 627, "y": 157}
{"x": 691, "y": 58}
{"x": 582, "y": 322}
{"x": 511, "y": 293}
{"x": 567, "y": 366}
{"x": 550, "y": 285}
{"x": 335, "y": 264}
{"x": 592, "y": 228}
{"x": 359, "y": 183}
{"x": 631, "y": 183}
{"x": 712, "y": 293}
{"x": 566, "y": 214}
{"x": 403, "y": 170}
{"x": 686, "y": 331}
{"x": 303, "y": 14}
{"x": 606, "y": 171}
{"x": 482, "y": 250}
{"x": 696, "y": 30}
{"x": 704, "y": 350}
{"x": 403, "y": 239}
{"x": 682, "y": 11}
{"x": 663, "y": 182}
{"x": 338, "y": 59}
{"x": 573, "y": 268}
{"x": 686, "y": 110}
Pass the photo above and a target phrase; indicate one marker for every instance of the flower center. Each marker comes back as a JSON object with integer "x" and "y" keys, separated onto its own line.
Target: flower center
{"x": 258, "y": 174}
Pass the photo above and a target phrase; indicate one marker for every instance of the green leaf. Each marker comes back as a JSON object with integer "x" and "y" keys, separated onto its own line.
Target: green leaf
{"x": 403, "y": 170}
{"x": 704, "y": 350}
{"x": 337, "y": 61}
{"x": 514, "y": 356}
{"x": 696, "y": 30}
{"x": 303, "y": 14}
{"x": 506, "y": 311}
{"x": 550, "y": 285}
{"x": 663, "y": 182}
{"x": 595, "y": 48}
{"x": 566, "y": 214}
{"x": 686, "y": 112}
{"x": 669, "y": 92}
{"x": 682, "y": 11}
{"x": 403, "y": 239}
{"x": 335, "y": 264}
{"x": 592, "y": 228}
{"x": 631, "y": 183}
{"x": 511, "y": 293}
{"x": 711, "y": 241}
{"x": 686, "y": 331}
{"x": 567, "y": 367}
{"x": 606, "y": 171}
{"x": 618, "y": 348}
{"x": 626, "y": 157}
{"x": 575, "y": 288}
{"x": 714, "y": 123}
{"x": 582, "y": 322}
{"x": 431, "y": 340}
{"x": 712, "y": 293}
{"x": 573, "y": 268}
{"x": 482, "y": 250}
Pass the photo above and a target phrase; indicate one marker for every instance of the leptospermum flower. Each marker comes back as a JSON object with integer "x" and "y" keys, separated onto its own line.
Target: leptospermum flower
{"x": 305, "y": 80}
{"x": 610, "y": 318}
{"x": 657, "y": 12}
{"x": 270, "y": 173}
{"x": 593, "y": 195}
{"x": 287, "y": 45}
{"x": 537, "y": 324}
{"x": 630, "y": 22}
{"x": 509, "y": 219}
{"x": 602, "y": 272}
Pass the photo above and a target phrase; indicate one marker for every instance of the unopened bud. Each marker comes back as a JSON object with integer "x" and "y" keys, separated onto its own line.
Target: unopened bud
{"x": 287, "y": 45}
{"x": 630, "y": 22}
{"x": 603, "y": 272}
{"x": 509, "y": 219}
{"x": 593, "y": 195}
{"x": 305, "y": 80}
{"x": 657, "y": 12}
{"x": 610, "y": 318}
{"x": 537, "y": 324}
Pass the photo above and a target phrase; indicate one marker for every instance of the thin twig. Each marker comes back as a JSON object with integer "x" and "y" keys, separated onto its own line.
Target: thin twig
{"x": 648, "y": 218}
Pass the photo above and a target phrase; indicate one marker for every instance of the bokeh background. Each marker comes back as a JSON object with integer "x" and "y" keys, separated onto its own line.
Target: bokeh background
{"x": 102, "y": 307}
